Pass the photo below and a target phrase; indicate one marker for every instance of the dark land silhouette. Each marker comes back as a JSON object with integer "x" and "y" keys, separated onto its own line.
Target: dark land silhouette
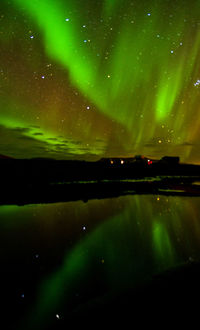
{"x": 41, "y": 180}
{"x": 169, "y": 294}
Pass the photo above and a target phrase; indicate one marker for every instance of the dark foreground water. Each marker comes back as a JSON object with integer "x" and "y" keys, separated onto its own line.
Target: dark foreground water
{"x": 62, "y": 261}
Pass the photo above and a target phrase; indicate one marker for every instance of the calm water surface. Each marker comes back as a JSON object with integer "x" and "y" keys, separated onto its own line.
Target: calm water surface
{"x": 57, "y": 257}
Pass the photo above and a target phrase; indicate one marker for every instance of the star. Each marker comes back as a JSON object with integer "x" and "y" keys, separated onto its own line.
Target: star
{"x": 197, "y": 83}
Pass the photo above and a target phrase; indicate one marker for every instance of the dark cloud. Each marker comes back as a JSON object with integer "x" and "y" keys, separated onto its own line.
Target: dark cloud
{"x": 27, "y": 138}
{"x": 52, "y": 139}
{"x": 60, "y": 145}
{"x": 34, "y": 126}
{"x": 15, "y": 142}
{"x": 38, "y": 134}
{"x": 21, "y": 129}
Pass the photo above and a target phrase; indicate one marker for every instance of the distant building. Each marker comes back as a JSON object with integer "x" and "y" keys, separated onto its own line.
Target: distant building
{"x": 119, "y": 161}
{"x": 139, "y": 157}
{"x": 115, "y": 161}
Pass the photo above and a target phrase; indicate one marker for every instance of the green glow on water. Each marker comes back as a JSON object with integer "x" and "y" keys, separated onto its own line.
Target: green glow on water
{"x": 97, "y": 247}
{"x": 163, "y": 248}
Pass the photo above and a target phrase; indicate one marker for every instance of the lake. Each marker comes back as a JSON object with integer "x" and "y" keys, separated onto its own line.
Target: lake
{"x": 65, "y": 259}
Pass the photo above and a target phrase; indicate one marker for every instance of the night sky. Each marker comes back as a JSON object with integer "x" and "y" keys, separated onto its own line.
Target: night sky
{"x": 85, "y": 79}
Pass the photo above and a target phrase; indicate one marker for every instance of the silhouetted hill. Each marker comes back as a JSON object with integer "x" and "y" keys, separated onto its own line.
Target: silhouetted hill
{"x": 47, "y": 180}
{"x": 44, "y": 170}
{"x": 5, "y": 157}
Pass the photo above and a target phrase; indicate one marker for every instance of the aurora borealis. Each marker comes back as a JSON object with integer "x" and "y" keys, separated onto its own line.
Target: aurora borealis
{"x": 85, "y": 80}
{"x": 100, "y": 78}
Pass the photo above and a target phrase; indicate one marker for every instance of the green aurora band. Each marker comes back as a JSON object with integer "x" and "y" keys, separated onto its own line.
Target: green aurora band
{"x": 137, "y": 63}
